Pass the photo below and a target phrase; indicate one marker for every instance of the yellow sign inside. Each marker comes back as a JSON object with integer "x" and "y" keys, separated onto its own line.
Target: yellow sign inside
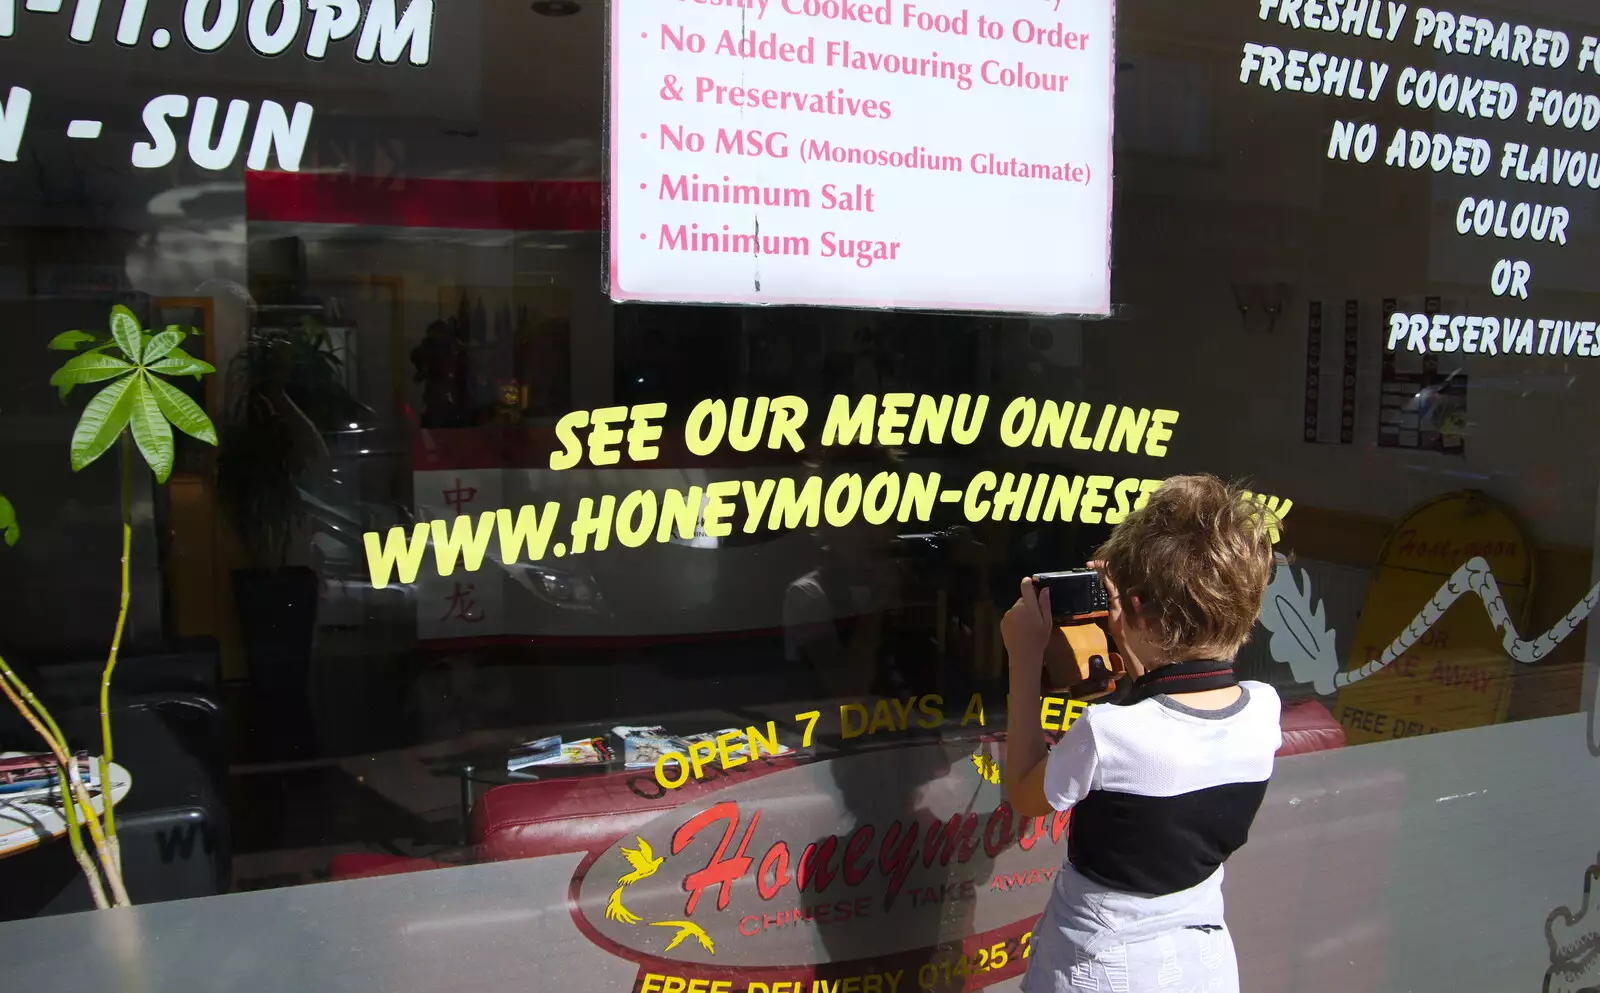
{"x": 1457, "y": 675}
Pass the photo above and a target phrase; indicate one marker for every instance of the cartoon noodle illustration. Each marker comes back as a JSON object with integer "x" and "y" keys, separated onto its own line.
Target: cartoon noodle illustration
{"x": 1581, "y": 977}
{"x": 644, "y": 861}
{"x": 988, "y": 768}
{"x": 615, "y": 911}
{"x": 1574, "y": 944}
{"x": 686, "y": 929}
{"x": 1300, "y": 635}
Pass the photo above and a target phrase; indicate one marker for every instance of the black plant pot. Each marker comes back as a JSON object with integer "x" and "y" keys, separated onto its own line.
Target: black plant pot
{"x": 277, "y": 621}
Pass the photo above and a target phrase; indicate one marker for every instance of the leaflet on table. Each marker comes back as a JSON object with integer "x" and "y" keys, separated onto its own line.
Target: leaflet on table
{"x": 33, "y": 776}
{"x": 737, "y": 748}
{"x": 643, "y": 747}
{"x": 16, "y": 766}
{"x": 529, "y": 752}
{"x": 586, "y": 751}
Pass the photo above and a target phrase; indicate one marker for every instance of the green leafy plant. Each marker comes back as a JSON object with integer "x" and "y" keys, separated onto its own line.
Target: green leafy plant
{"x": 10, "y": 531}
{"x": 137, "y": 397}
{"x": 137, "y": 404}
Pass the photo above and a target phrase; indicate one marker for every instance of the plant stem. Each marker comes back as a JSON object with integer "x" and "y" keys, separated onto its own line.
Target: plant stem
{"x": 116, "y": 646}
{"x": 69, "y": 809}
{"x": 53, "y": 737}
{"x": 69, "y": 805}
{"x": 113, "y": 871}
{"x": 17, "y": 692}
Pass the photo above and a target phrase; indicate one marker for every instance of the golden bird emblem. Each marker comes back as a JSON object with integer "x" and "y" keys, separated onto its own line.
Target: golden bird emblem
{"x": 615, "y": 911}
{"x": 987, "y": 767}
{"x": 644, "y": 861}
{"x": 685, "y": 930}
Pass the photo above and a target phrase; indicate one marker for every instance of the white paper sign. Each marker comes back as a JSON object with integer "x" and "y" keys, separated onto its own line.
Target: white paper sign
{"x": 932, "y": 155}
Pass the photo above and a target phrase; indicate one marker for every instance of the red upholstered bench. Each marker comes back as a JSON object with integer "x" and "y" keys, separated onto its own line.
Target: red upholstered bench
{"x": 1308, "y": 727}
{"x": 567, "y": 814}
{"x": 555, "y": 816}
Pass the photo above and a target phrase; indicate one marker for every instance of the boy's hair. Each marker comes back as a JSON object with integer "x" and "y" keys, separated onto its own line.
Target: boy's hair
{"x": 1198, "y": 555}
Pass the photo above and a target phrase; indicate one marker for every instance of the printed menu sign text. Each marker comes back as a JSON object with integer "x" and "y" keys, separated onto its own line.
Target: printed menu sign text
{"x": 923, "y": 155}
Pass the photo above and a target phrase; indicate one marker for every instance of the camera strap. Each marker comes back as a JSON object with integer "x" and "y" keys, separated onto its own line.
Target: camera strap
{"x": 1184, "y": 677}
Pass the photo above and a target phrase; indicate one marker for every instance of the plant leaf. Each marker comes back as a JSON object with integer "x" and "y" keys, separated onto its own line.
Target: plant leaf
{"x": 99, "y": 349}
{"x": 103, "y": 419}
{"x": 90, "y": 367}
{"x": 151, "y": 432}
{"x": 181, "y": 363}
{"x": 160, "y": 345}
{"x": 68, "y": 341}
{"x": 8, "y": 522}
{"x": 183, "y": 412}
{"x": 125, "y": 329}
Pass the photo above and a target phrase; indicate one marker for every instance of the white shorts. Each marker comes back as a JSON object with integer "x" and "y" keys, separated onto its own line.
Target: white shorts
{"x": 1182, "y": 960}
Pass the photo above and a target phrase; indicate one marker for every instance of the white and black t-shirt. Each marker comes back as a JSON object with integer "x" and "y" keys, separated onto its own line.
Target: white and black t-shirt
{"x": 1161, "y": 794}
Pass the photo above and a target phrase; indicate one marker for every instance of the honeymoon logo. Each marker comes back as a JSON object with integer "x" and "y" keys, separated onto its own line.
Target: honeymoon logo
{"x": 884, "y": 856}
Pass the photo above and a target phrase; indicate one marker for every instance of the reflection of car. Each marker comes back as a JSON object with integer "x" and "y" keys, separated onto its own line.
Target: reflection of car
{"x": 677, "y": 587}
{"x": 681, "y": 586}
{"x": 336, "y": 518}
{"x": 655, "y": 584}
{"x": 337, "y": 499}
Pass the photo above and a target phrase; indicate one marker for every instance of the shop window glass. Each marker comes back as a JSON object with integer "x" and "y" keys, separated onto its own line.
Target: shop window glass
{"x": 406, "y": 617}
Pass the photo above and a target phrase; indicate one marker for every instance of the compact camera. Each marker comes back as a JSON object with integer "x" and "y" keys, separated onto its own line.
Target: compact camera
{"x": 1084, "y": 666}
{"x": 1075, "y": 596}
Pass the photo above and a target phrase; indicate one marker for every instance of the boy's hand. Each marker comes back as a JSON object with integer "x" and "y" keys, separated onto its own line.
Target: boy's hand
{"x": 1026, "y": 629}
{"x": 1114, "y": 614}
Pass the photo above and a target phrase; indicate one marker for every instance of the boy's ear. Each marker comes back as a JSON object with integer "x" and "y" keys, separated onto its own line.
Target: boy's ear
{"x": 1133, "y": 614}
